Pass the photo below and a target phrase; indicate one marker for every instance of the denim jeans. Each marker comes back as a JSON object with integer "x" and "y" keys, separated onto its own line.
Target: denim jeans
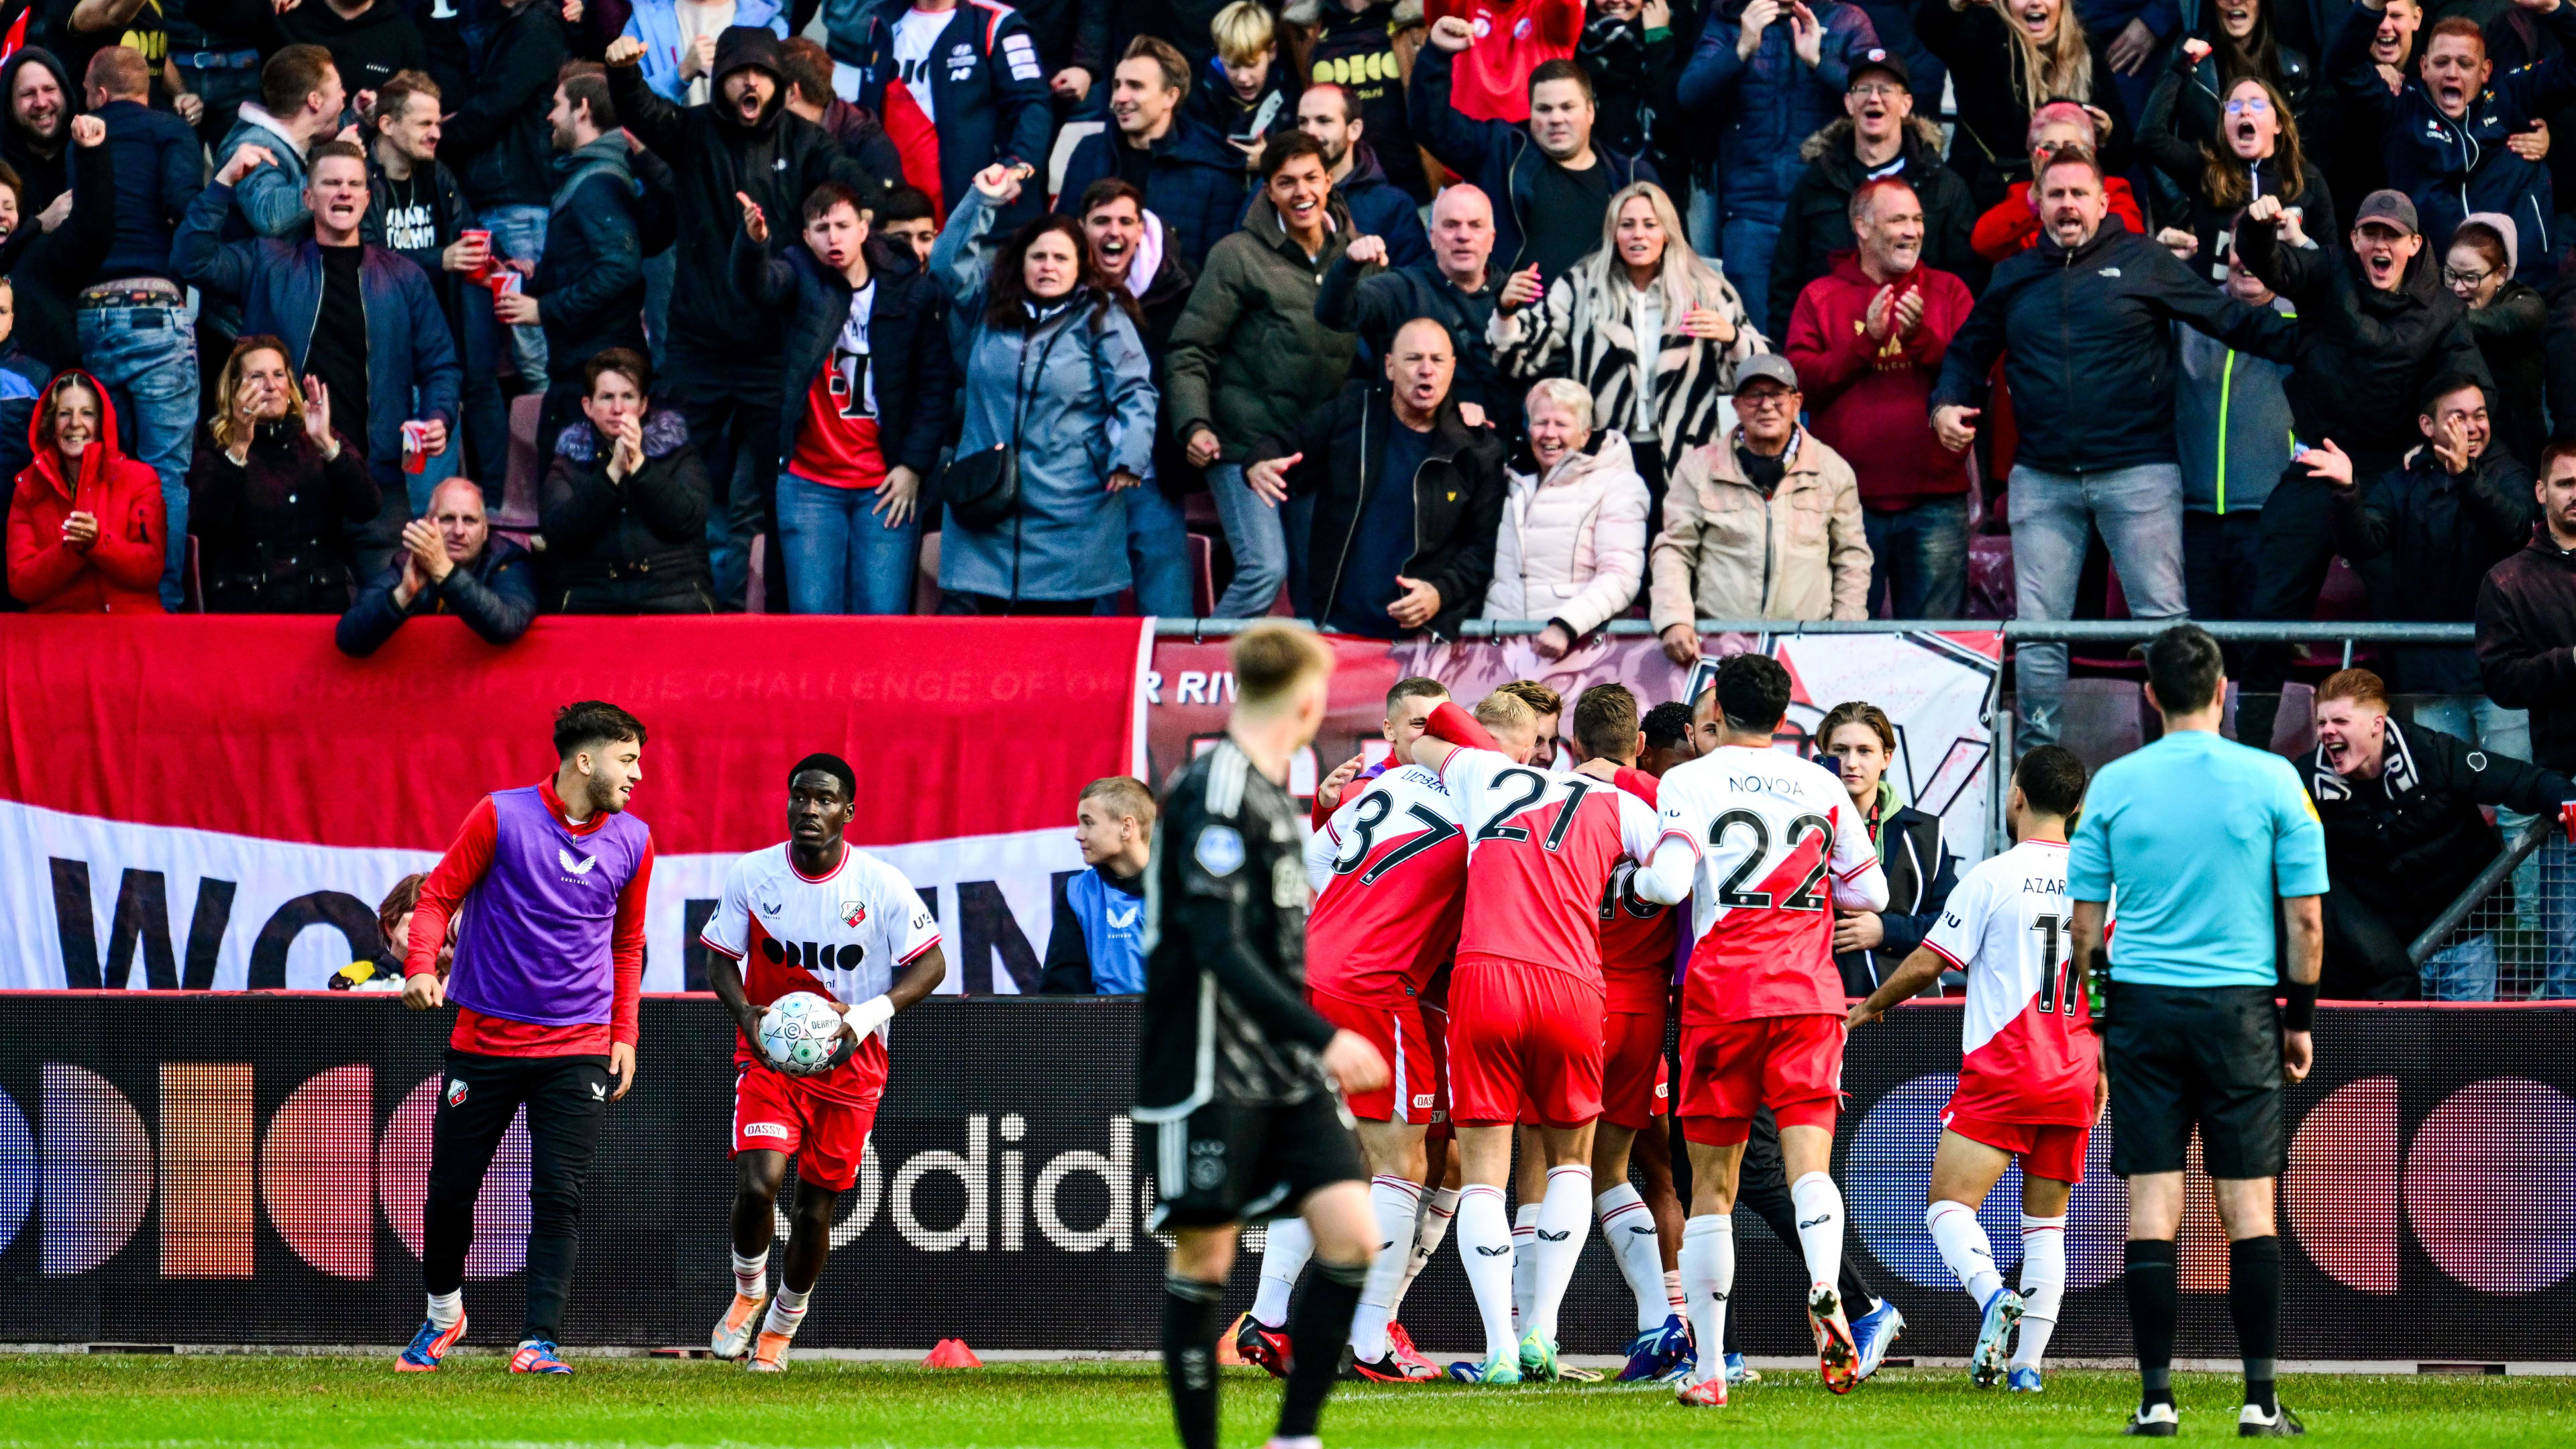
{"x": 2467, "y": 971}
{"x": 519, "y": 233}
{"x": 149, "y": 355}
{"x": 1925, "y": 548}
{"x": 1260, "y": 544}
{"x": 2557, "y": 911}
{"x": 841, "y": 557}
{"x": 1158, "y": 553}
{"x": 1744, "y": 247}
{"x": 2139, "y": 513}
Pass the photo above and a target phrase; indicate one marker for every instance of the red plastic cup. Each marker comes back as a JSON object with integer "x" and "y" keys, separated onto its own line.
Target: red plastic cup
{"x": 415, "y": 446}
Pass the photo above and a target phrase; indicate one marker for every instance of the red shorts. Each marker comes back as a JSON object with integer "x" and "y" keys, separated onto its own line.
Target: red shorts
{"x": 1790, "y": 1064}
{"x": 1633, "y": 1090}
{"x": 1396, "y": 1028}
{"x": 823, "y": 1121}
{"x": 2053, "y": 1150}
{"x": 1524, "y": 1040}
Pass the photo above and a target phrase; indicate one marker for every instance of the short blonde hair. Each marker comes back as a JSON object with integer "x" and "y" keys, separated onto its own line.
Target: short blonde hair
{"x": 1243, "y": 32}
{"x": 1271, "y": 659}
{"x": 1505, "y": 710}
{"x": 1566, "y": 393}
{"x": 1125, "y": 797}
{"x": 1540, "y": 698}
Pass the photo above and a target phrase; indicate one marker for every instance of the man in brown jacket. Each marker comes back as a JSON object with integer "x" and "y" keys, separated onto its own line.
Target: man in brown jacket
{"x": 1762, "y": 524}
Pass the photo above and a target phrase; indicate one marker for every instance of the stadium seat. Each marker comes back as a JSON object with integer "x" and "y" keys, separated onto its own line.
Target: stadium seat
{"x": 518, "y": 512}
{"x": 756, "y": 598}
{"x": 1202, "y": 575}
{"x": 2102, "y": 719}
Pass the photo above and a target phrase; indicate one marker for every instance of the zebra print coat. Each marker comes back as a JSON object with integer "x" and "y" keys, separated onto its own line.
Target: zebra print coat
{"x": 1585, "y": 331}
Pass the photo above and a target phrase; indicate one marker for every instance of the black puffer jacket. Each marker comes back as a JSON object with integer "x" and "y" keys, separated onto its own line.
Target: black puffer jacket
{"x": 2411, "y": 840}
{"x": 775, "y": 161}
{"x": 2363, "y": 355}
{"x": 496, "y": 596}
{"x": 1921, "y": 873}
{"x": 1457, "y": 496}
{"x": 2088, "y": 349}
{"x": 912, "y": 370}
{"x": 631, "y": 547}
{"x": 1378, "y": 306}
{"x": 2441, "y": 534}
{"x": 498, "y": 139}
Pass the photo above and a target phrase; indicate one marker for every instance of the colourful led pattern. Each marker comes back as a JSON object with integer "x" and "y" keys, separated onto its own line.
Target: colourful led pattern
{"x": 317, "y": 1172}
{"x": 97, "y": 1171}
{"x": 2493, "y": 1194}
{"x": 500, "y": 1212}
{"x": 17, "y": 1170}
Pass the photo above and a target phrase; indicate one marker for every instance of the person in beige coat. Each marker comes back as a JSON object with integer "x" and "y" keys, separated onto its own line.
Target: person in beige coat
{"x": 1765, "y": 524}
{"x": 1572, "y": 546}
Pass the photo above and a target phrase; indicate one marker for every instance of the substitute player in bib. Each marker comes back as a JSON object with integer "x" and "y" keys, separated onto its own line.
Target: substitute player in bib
{"x": 1525, "y": 1002}
{"x": 1236, "y": 1075}
{"x": 1767, "y": 844}
{"x": 2030, "y": 1069}
{"x": 813, "y": 914}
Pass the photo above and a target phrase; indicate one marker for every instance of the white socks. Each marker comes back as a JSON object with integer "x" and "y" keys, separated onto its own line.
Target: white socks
{"x": 1485, "y": 1246}
{"x": 786, "y": 1312}
{"x": 1819, "y": 1205}
{"x": 1629, "y": 1228}
{"x": 1708, "y": 1277}
{"x": 2043, "y": 1285}
{"x": 1397, "y": 1200}
{"x": 751, "y": 1275}
{"x": 1564, "y": 1221}
{"x": 1430, "y": 1228}
{"x": 1673, "y": 1283}
{"x": 1966, "y": 1251}
{"x": 1283, "y": 1256}
{"x": 446, "y": 1308}
{"x": 1524, "y": 1265}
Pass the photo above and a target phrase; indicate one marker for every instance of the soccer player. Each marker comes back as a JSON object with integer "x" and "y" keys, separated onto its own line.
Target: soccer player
{"x": 1236, "y": 1075}
{"x": 548, "y": 881}
{"x": 1525, "y": 1002}
{"x": 811, "y": 915}
{"x": 1408, "y": 714}
{"x": 2030, "y": 1072}
{"x": 1771, "y": 843}
{"x": 2201, "y": 836}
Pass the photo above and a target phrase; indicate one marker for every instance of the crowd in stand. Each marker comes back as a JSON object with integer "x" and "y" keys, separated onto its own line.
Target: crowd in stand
{"x": 1530, "y": 311}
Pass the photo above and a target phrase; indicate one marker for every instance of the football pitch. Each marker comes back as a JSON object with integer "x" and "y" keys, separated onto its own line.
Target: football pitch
{"x": 173, "y": 1402}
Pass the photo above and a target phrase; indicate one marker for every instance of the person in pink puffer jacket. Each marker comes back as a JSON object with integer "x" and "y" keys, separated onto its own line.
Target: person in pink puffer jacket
{"x": 1572, "y": 546}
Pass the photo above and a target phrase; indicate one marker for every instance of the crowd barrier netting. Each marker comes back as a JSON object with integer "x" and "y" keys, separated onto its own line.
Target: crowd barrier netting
{"x": 216, "y": 1168}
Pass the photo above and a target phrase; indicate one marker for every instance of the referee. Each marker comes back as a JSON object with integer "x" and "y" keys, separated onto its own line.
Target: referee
{"x": 1236, "y": 1074}
{"x": 2198, "y": 837}
{"x": 547, "y": 883}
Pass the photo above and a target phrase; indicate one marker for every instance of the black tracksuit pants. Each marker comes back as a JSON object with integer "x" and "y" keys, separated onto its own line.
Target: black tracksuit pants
{"x": 567, "y": 1101}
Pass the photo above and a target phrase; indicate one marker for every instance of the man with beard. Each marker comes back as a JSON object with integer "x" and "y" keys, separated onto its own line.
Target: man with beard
{"x": 1879, "y": 138}
{"x": 1378, "y": 206}
{"x": 587, "y": 293}
{"x": 33, "y": 141}
{"x": 299, "y": 103}
{"x": 1134, "y": 250}
{"x": 722, "y": 356}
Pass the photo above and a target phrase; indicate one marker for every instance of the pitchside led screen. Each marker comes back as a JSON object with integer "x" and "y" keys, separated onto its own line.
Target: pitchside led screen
{"x": 250, "y": 1168}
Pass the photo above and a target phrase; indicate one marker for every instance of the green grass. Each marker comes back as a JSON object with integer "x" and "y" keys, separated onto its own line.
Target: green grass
{"x": 169, "y": 1403}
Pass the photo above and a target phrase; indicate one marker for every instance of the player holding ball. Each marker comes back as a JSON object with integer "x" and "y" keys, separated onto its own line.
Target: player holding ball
{"x": 811, "y": 915}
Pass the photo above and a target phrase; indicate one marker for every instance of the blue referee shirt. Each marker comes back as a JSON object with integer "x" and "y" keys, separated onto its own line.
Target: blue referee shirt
{"x": 2191, "y": 840}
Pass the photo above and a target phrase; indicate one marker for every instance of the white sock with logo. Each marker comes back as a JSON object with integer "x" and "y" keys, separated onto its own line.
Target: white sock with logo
{"x": 1965, "y": 1249}
{"x": 1431, "y": 1228}
{"x": 2043, "y": 1285}
{"x": 1628, "y": 1226}
{"x": 1708, "y": 1277}
{"x": 751, "y": 1275}
{"x": 1819, "y": 1205}
{"x": 1485, "y": 1246}
{"x": 1564, "y": 1221}
{"x": 1397, "y": 1201}
{"x": 1283, "y": 1257}
{"x": 446, "y": 1308}
{"x": 786, "y": 1312}
{"x": 1524, "y": 1264}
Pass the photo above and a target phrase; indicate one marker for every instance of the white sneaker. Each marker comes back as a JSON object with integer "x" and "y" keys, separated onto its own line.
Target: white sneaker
{"x": 2156, "y": 1422}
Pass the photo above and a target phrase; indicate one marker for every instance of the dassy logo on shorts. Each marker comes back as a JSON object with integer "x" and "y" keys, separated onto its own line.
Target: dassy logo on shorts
{"x": 765, "y": 1129}
{"x": 456, "y": 1091}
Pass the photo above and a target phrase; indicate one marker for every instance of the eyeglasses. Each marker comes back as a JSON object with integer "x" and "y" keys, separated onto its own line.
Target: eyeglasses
{"x": 2243, "y": 104}
{"x": 1876, "y": 89}
{"x": 1768, "y": 398}
{"x": 2458, "y": 278}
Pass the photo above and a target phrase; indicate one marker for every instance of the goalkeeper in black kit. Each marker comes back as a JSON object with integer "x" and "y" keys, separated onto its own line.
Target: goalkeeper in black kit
{"x": 1238, "y": 1079}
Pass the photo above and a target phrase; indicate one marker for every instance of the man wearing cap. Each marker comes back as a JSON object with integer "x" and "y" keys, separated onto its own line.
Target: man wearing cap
{"x": 2375, "y": 326}
{"x": 1878, "y": 136}
{"x": 2082, "y": 322}
{"x": 1709, "y": 566}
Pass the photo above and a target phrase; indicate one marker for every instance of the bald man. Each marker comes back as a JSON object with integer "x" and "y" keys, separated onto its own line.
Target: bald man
{"x": 449, "y": 563}
{"x": 1408, "y": 494}
{"x": 1455, "y": 288}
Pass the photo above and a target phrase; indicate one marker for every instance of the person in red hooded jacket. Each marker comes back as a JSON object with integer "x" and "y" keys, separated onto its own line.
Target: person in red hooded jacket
{"x": 86, "y": 525}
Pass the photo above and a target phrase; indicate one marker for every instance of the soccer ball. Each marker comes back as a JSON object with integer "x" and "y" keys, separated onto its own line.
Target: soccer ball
{"x": 801, "y": 1035}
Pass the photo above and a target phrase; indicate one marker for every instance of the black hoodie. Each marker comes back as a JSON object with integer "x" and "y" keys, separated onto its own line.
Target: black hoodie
{"x": 776, "y": 160}
{"x": 366, "y": 48}
{"x": 498, "y": 139}
{"x": 40, "y": 178}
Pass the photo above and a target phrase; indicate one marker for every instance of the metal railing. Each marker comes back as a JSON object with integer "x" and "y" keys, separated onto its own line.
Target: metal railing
{"x": 2511, "y": 934}
{"x": 2014, "y": 631}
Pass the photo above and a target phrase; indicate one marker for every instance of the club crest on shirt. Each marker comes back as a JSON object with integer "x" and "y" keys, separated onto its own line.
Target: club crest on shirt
{"x": 1219, "y": 850}
{"x": 853, "y": 912}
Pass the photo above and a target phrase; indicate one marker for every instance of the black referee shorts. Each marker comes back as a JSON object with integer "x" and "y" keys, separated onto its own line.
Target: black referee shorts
{"x": 1227, "y": 1164}
{"x": 2182, "y": 1057}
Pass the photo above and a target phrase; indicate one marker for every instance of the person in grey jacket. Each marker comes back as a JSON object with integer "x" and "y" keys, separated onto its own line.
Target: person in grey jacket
{"x": 1056, "y": 370}
{"x": 2233, "y": 430}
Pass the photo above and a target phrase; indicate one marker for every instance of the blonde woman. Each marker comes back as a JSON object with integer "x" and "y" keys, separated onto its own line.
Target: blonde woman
{"x": 2007, "y": 58}
{"x": 1572, "y": 548}
{"x": 273, "y": 489}
{"x": 1646, "y": 326}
